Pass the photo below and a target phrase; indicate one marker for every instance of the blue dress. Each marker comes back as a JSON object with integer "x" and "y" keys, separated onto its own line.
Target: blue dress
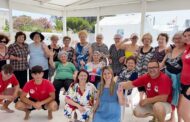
{"x": 109, "y": 108}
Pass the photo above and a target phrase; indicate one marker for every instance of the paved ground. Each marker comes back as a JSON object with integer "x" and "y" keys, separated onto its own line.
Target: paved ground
{"x": 41, "y": 116}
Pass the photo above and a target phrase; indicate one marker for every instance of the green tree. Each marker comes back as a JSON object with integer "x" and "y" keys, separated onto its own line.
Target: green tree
{"x": 77, "y": 24}
{"x": 58, "y": 25}
{"x": 6, "y": 28}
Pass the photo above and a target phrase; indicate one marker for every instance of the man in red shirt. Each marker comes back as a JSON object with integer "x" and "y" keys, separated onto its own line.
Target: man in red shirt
{"x": 158, "y": 90}
{"x": 7, "y": 95}
{"x": 41, "y": 94}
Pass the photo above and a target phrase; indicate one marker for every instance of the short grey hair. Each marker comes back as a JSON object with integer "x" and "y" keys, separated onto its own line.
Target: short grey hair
{"x": 118, "y": 36}
{"x": 62, "y": 53}
{"x": 100, "y": 35}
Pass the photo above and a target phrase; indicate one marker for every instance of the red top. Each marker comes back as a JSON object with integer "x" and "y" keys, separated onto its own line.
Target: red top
{"x": 39, "y": 92}
{"x": 3, "y": 84}
{"x": 162, "y": 85}
{"x": 185, "y": 74}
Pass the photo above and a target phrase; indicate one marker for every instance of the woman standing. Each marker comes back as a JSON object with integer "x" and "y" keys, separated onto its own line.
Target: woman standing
{"x": 132, "y": 48}
{"x": 82, "y": 50}
{"x": 117, "y": 55}
{"x": 39, "y": 53}
{"x": 4, "y": 40}
{"x": 54, "y": 47}
{"x": 184, "y": 103}
{"x": 145, "y": 54}
{"x": 173, "y": 68}
{"x": 80, "y": 98}
{"x": 18, "y": 52}
{"x": 110, "y": 97}
{"x": 68, "y": 49}
{"x": 160, "y": 50}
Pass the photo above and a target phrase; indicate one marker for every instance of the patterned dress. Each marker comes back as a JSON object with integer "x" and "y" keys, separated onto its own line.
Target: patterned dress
{"x": 85, "y": 99}
{"x": 173, "y": 70}
{"x": 94, "y": 71}
{"x": 159, "y": 55}
{"x": 142, "y": 62}
{"x": 126, "y": 75}
{"x": 82, "y": 54}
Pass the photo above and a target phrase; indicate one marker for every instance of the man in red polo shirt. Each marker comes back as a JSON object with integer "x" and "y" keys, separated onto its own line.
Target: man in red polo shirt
{"x": 158, "y": 90}
{"x": 41, "y": 94}
{"x": 7, "y": 95}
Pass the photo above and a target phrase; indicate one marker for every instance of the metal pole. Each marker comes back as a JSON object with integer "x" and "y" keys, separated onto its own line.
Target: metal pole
{"x": 64, "y": 22}
{"x": 10, "y": 20}
{"x": 143, "y": 16}
{"x": 98, "y": 22}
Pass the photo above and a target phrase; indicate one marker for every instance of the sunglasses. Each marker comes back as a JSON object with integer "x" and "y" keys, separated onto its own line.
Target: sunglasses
{"x": 1, "y": 41}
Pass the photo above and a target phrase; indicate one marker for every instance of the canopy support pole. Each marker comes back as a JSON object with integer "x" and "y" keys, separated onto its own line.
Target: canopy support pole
{"x": 64, "y": 22}
{"x": 10, "y": 20}
{"x": 98, "y": 22}
{"x": 143, "y": 16}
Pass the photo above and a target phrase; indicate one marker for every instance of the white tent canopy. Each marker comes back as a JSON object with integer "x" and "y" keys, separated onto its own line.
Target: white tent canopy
{"x": 84, "y": 8}
{"x": 71, "y": 8}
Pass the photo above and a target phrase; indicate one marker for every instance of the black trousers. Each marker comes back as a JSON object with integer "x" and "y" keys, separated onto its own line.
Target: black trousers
{"x": 96, "y": 80}
{"x": 46, "y": 72}
{"x": 58, "y": 84}
{"x": 21, "y": 77}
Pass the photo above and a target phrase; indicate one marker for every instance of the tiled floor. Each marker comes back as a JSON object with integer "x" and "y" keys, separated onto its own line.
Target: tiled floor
{"x": 41, "y": 116}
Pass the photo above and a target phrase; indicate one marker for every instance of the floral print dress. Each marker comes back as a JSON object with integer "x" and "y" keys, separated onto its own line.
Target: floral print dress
{"x": 85, "y": 99}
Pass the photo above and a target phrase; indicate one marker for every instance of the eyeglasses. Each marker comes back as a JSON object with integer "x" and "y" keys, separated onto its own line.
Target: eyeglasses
{"x": 177, "y": 38}
{"x": 152, "y": 68}
{"x": 66, "y": 40}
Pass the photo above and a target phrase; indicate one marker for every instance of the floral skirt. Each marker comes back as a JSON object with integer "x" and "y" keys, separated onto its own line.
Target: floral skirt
{"x": 70, "y": 112}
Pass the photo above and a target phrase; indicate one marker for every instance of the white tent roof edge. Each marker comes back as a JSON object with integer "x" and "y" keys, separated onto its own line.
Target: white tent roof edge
{"x": 81, "y": 10}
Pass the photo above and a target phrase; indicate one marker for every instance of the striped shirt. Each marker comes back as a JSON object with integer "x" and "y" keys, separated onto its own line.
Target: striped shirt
{"x": 142, "y": 60}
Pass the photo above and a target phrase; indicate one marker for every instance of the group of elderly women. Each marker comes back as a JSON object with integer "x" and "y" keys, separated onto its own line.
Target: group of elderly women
{"x": 90, "y": 84}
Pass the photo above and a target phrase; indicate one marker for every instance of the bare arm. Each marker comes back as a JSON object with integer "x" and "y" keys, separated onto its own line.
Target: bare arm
{"x": 25, "y": 99}
{"x": 121, "y": 97}
{"x": 71, "y": 102}
{"x": 46, "y": 50}
{"x": 90, "y": 54}
{"x": 162, "y": 64}
{"x": 15, "y": 58}
{"x": 122, "y": 45}
{"x": 51, "y": 62}
{"x": 97, "y": 101}
{"x": 49, "y": 99}
{"x": 75, "y": 75}
{"x": 16, "y": 90}
{"x": 127, "y": 85}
